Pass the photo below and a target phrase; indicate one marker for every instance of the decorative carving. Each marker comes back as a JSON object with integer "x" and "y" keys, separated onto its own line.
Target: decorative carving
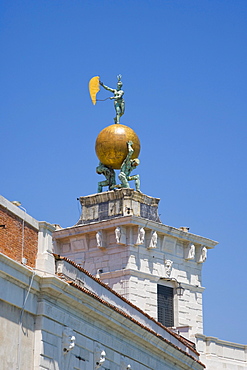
{"x": 101, "y": 359}
{"x": 100, "y": 356}
{"x": 189, "y": 252}
{"x": 168, "y": 267}
{"x": 118, "y": 234}
{"x": 203, "y": 255}
{"x": 141, "y": 236}
{"x": 68, "y": 341}
{"x": 153, "y": 241}
{"x": 100, "y": 239}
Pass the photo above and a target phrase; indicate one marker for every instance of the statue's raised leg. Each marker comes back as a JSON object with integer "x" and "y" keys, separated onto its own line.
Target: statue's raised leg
{"x": 137, "y": 181}
{"x": 101, "y": 184}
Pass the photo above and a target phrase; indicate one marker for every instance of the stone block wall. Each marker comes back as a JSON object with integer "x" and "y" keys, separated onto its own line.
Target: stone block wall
{"x": 91, "y": 338}
{"x": 16, "y": 338}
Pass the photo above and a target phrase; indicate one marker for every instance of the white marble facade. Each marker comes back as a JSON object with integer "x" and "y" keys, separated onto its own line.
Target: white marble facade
{"x": 136, "y": 257}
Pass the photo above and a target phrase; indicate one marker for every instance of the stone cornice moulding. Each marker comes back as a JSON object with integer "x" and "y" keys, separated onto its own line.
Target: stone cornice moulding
{"x": 161, "y": 229}
{"x": 191, "y": 287}
{"x": 127, "y": 193}
{"x": 221, "y": 342}
{"x": 15, "y": 271}
{"x": 155, "y": 278}
{"x": 46, "y": 225}
{"x": 19, "y": 275}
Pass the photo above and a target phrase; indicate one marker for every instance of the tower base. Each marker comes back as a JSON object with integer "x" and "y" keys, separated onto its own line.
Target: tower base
{"x": 117, "y": 203}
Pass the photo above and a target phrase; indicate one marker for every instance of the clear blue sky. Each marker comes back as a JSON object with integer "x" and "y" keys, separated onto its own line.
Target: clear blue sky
{"x": 184, "y": 68}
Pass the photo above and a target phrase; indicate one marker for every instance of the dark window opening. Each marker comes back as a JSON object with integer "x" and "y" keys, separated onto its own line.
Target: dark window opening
{"x": 165, "y": 305}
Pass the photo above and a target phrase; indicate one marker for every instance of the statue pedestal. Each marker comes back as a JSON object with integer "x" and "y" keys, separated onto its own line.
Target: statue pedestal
{"x": 117, "y": 203}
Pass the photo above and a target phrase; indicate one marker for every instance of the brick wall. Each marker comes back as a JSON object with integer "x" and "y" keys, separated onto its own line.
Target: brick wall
{"x": 11, "y": 238}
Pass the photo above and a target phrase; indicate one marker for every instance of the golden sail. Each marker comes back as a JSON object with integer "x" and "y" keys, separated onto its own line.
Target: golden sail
{"x": 94, "y": 88}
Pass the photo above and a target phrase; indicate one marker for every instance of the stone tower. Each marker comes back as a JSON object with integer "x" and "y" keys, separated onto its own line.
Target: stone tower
{"x": 121, "y": 240}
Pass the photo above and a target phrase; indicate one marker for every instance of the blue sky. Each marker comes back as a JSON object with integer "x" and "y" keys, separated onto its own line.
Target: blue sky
{"x": 183, "y": 64}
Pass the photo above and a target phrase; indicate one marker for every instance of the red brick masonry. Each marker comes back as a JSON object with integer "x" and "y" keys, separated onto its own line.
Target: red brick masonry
{"x": 11, "y": 238}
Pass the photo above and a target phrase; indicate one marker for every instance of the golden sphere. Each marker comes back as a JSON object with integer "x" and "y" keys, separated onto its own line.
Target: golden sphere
{"x": 111, "y": 145}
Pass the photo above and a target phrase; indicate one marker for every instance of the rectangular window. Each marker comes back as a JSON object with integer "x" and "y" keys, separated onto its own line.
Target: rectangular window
{"x": 165, "y": 305}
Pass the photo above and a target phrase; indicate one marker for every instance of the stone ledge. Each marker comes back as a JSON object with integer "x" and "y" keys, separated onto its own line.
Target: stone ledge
{"x": 118, "y": 194}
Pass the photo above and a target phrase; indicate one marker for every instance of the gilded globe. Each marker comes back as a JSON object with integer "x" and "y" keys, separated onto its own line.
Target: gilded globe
{"x": 111, "y": 145}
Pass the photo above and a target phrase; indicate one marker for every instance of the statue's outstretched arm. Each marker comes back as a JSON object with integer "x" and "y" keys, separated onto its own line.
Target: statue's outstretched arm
{"x": 130, "y": 149}
{"x": 125, "y": 163}
{"x": 106, "y": 87}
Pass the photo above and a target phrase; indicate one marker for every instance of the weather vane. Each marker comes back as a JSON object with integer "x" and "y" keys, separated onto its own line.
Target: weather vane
{"x": 117, "y": 146}
{"x": 119, "y": 103}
